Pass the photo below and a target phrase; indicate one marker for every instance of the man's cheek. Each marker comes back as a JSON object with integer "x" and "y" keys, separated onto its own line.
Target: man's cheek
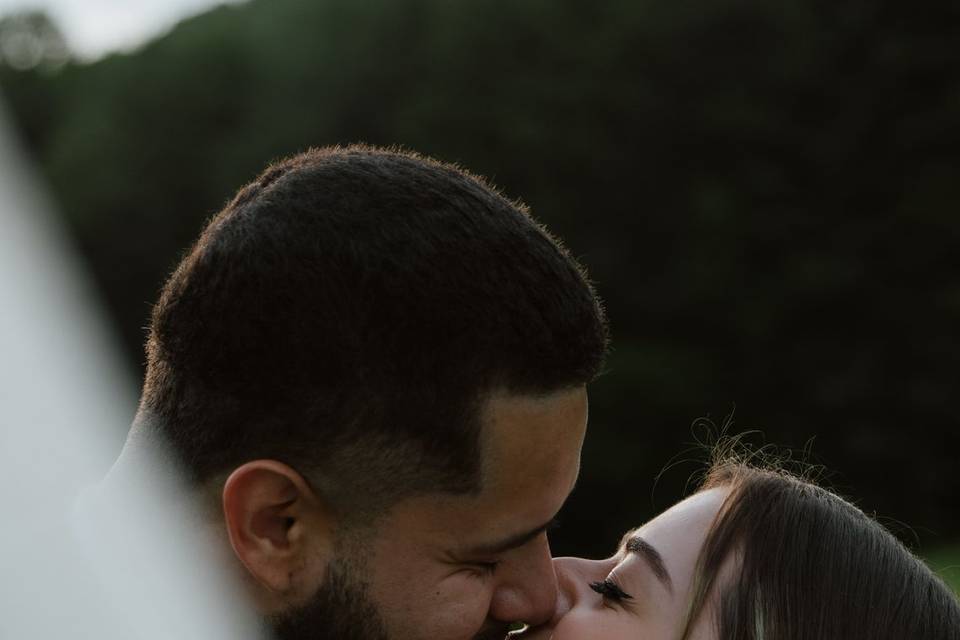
{"x": 458, "y": 606}
{"x": 454, "y": 607}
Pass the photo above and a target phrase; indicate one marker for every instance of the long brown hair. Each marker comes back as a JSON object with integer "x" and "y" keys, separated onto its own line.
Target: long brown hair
{"x": 810, "y": 566}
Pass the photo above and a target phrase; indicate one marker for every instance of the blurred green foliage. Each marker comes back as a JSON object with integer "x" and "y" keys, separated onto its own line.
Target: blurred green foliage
{"x": 765, "y": 194}
{"x": 946, "y": 562}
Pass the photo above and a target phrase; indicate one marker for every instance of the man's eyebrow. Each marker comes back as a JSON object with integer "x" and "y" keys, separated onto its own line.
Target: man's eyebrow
{"x": 513, "y": 542}
{"x": 636, "y": 544}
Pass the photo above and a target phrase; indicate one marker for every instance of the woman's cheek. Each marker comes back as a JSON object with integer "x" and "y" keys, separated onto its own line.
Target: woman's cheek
{"x": 596, "y": 624}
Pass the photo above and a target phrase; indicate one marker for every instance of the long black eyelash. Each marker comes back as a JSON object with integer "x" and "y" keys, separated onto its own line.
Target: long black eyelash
{"x": 610, "y": 589}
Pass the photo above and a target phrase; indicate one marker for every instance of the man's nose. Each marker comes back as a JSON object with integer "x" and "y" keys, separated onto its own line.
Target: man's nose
{"x": 526, "y": 588}
{"x": 574, "y": 576}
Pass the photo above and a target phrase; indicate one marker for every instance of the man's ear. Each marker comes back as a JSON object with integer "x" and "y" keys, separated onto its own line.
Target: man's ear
{"x": 278, "y": 529}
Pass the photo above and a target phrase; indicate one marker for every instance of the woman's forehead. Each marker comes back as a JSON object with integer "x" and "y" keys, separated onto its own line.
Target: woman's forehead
{"x": 677, "y": 535}
{"x": 697, "y": 510}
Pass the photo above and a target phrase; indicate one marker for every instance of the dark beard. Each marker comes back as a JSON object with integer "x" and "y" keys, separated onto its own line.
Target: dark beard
{"x": 343, "y": 610}
{"x": 340, "y": 610}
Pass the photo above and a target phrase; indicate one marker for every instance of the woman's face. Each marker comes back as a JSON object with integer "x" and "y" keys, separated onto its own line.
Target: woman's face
{"x": 642, "y": 591}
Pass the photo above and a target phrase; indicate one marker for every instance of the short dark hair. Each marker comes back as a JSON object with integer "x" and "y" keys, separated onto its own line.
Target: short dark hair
{"x": 812, "y": 566}
{"x": 347, "y": 313}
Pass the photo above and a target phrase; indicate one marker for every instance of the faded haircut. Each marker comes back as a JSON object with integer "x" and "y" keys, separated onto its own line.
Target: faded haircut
{"x": 349, "y": 311}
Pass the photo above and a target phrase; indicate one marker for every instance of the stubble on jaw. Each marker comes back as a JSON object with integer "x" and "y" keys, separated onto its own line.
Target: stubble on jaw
{"x": 342, "y": 609}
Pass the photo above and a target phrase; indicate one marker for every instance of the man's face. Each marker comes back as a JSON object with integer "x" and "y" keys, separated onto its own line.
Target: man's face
{"x": 445, "y": 567}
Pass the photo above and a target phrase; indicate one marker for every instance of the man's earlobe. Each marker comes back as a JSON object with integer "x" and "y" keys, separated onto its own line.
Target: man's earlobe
{"x": 278, "y": 529}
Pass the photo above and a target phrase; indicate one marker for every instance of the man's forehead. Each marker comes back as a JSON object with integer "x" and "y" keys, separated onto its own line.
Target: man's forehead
{"x": 531, "y": 449}
{"x": 531, "y": 458}
{"x": 525, "y": 432}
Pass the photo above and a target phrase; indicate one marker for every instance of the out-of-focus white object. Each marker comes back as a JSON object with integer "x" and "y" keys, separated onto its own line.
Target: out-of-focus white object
{"x": 94, "y": 28}
{"x": 78, "y": 560}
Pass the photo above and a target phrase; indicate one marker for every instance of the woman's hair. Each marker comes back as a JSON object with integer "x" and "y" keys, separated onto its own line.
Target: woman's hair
{"x": 810, "y": 566}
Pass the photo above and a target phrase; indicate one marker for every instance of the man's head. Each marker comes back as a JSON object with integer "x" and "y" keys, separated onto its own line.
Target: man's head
{"x": 378, "y": 363}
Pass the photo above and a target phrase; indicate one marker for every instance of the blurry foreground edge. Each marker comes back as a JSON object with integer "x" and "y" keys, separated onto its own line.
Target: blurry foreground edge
{"x": 75, "y": 561}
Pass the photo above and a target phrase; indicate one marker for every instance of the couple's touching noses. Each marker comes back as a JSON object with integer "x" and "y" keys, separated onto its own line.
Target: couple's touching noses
{"x": 372, "y": 368}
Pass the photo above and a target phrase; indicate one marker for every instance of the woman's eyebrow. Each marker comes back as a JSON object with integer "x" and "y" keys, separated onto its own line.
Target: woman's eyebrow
{"x": 636, "y": 544}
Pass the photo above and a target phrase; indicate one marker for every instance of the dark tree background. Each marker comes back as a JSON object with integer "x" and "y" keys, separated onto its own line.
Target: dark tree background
{"x": 765, "y": 193}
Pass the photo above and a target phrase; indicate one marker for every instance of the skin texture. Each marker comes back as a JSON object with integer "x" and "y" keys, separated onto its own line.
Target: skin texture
{"x": 426, "y": 570}
{"x": 654, "y": 611}
{"x": 428, "y": 578}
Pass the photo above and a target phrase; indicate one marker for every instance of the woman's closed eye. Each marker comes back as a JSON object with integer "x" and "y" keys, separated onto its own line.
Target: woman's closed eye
{"x": 610, "y": 590}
